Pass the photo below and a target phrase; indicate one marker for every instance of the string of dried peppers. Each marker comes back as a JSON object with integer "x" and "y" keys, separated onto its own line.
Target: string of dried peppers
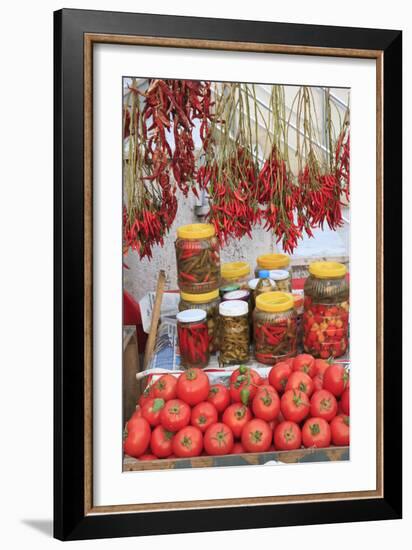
{"x": 243, "y": 164}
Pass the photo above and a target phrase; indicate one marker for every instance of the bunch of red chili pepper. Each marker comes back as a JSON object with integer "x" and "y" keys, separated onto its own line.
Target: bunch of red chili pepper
{"x": 153, "y": 154}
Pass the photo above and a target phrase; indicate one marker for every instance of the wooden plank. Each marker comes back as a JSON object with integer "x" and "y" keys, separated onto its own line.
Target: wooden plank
{"x": 332, "y": 454}
{"x": 155, "y": 319}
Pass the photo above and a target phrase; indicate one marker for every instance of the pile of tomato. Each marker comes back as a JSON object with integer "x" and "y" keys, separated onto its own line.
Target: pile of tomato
{"x": 303, "y": 402}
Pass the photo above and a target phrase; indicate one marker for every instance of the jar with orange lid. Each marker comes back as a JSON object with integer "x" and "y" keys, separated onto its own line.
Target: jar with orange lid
{"x": 326, "y": 310}
{"x": 198, "y": 258}
{"x": 274, "y": 327}
{"x": 235, "y": 273}
{"x": 208, "y": 302}
{"x": 274, "y": 262}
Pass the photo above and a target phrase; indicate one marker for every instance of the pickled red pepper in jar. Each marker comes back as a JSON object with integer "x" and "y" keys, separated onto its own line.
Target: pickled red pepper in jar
{"x": 193, "y": 338}
{"x": 274, "y": 326}
{"x": 209, "y": 302}
{"x": 198, "y": 258}
{"x": 326, "y": 310}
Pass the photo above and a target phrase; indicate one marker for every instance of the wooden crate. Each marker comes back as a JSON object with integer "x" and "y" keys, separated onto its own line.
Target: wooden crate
{"x": 246, "y": 459}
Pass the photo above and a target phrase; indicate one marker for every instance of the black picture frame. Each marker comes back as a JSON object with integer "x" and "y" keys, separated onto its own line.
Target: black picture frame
{"x": 70, "y": 520}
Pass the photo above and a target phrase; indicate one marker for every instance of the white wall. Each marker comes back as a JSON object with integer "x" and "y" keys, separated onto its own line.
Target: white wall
{"x": 26, "y": 277}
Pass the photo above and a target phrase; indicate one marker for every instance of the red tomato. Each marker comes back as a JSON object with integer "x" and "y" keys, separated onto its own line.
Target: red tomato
{"x": 339, "y": 428}
{"x": 289, "y": 362}
{"x": 300, "y": 381}
{"x": 335, "y": 379}
{"x": 237, "y": 448}
{"x": 147, "y": 457}
{"x": 294, "y": 405}
{"x": 344, "y": 401}
{"x": 243, "y": 384}
{"x": 236, "y": 417}
{"x": 266, "y": 404}
{"x": 146, "y": 395}
{"x": 192, "y": 386}
{"x": 320, "y": 366}
{"x": 175, "y": 415}
{"x": 204, "y": 414}
{"x": 188, "y": 442}
{"x": 256, "y": 436}
{"x": 287, "y": 436}
{"x": 317, "y": 382}
{"x": 138, "y": 439}
{"x": 132, "y": 420}
{"x": 219, "y": 396}
{"x": 165, "y": 387}
{"x": 161, "y": 442}
{"x": 278, "y": 376}
{"x": 305, "y": 363}
{"x": 152, "y": 409}
{"x": 323, "y": 404}
{"x": 218, "y": 439}
{"x": 316, "y": 433}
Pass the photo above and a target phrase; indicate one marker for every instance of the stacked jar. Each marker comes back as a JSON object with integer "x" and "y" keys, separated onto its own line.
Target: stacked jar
{"x": 235, "y": 273}
{"x": 208, "y": 302}
{"x": 198, "y": 258}
{"x": 274, "y": 327}
{"x": 234, "y": 332}
{"x": 326, "y": 310}
{"x": 193, "y": 338}
{"x": 279, "y": 269}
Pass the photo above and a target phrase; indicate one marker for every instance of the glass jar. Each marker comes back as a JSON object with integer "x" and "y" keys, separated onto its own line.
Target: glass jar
{"x": 198, "y": 258}
{"x": 326, "y": 310}
{"x": 237, "y": 273}
{"x": 237, "y": 295}
{"x": 209, "y": 302}
{"x": 234, "y": 332}
{"x": 264, "y": 284}
{"x": 228, "y": 288}
{"x": 274, "y": 327}
{"x": 282, "y": 279}
{"x": 193, "y": 338}
{"x": 298, "y": 303}
{"x": 274, "y": 262}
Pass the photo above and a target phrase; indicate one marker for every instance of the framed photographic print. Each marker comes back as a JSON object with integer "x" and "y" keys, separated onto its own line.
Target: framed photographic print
{"x": 228, "y": 274}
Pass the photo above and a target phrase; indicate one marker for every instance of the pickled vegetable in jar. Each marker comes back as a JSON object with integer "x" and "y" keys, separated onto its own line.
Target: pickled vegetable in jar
{"x": 209, "y": 302}
{"x": 326, "y": 310}
{"x": 264, "y": 284}
{"x": 274, "y": 326}
{"x": 273, "y": 261}
{"x": 282, "y": 279}
{"x": 234, "y": 332}
{"x": 193, "y": 338}
{"x": 236, "y": 272}
{"x": 198, "y": 258}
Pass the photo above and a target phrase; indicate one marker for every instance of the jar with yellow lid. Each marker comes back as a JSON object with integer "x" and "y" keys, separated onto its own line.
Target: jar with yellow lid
{"x": 326, "y": 310}
{"x": 273, "y": 262}
{"x": 198, "y": 258}
{"x": 274, "y": 327}
{"x": 208, "y": 302}
{"x": 235, "y": 273}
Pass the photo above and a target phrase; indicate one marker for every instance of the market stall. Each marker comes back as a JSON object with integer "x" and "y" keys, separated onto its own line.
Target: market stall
{"x": 246, "y": 359}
